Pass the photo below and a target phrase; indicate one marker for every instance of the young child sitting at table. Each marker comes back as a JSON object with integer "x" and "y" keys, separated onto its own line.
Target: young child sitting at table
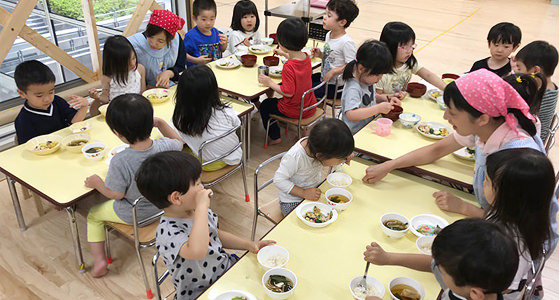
{"x": 188, "y": 237}
{"x": 359, "y": 105}
{"x": 339, "y": 47}
{"x": 245, "y": 25}
{"x": 296, "y": 78}
{"x": 531, "y": 88}
{"x": 330, "y": 143}
{"x": 477, "y": 259}
{"x": 541, "y": 57}
{"x": 43, "y": 112}
{"x": 204, "y": 43}
{"x": 400, "y": 39}
{"x": 131, "y": 118}
{"x": 503, "y": 39}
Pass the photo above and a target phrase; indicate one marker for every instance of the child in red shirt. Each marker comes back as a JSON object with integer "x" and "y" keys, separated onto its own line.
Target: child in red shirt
{"x": 296, "y": 78}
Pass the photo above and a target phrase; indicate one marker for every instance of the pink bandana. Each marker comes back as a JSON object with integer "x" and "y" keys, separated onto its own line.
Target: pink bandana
{"x": 491, "y": 95}
{"x": 167, "y": 20}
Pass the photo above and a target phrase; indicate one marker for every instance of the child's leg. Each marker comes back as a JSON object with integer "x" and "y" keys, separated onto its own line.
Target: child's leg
{"x": 96, "y": 219}
{"x": 268, "y": 107}
{"x": 287, "y": 207}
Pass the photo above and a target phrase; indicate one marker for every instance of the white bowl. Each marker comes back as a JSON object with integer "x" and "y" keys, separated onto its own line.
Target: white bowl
{"x": 424, "y": 244}
{"x": 407, "y": 281}
{"x": 339, "y": 179}
{"x": 279, "y": 271}
{"x": 242, "y": 48}
{"x": 396, "y": 234}
{"x": 267, "y": 41}
{"x": 338, "y": 191}
{"x": 441, "y": 103}
{"x": 408, "y": 120}
{"x": 33, "y": 143}
{"x": 228, "y": 295}
{"x": 75, "y": 137}
{"x": 325, "y": 209}
{"x": 426, "y": 219}
{"x": 80, "y": 127}
{"x": 114, "y": 152}
{"x": 370, "y": 282}
{"x": 94, "y": 156}
{"x": 240, "y": 53}
{"x": 270, "y": 251}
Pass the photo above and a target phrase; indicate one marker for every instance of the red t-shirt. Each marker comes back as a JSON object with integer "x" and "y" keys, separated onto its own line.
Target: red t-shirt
{"x": 296, "y": 80}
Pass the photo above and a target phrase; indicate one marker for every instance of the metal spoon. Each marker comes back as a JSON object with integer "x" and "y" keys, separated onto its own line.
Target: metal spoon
{"x": 362, "y": 283}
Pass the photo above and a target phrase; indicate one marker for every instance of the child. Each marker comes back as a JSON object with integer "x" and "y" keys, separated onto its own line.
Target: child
{"x": 122, "y": 74}
{"x": 503, "y": 39}
{"x": 296, "y": 78}
{"x": 531, "y": 88}
{"x": 245, "y": 24}
{"x": 131, "y": 118}
{"x": 200, "y": 115}
{"x": 204, "y": 43}
{"x": 359, "y": 105}
{"x": 330, "y": 143}
{"x": 339, "y": 48}
{"x": 43, "y": 112}
{"x": 400, "y": 40}
{"x": 188, "y": 237}
{"x": 541, "y": 57}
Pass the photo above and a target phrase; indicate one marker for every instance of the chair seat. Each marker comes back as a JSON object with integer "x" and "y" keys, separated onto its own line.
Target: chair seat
{"x": 304, "y": 122}
{"x": 212, "y": 176}
{"x": 147, "y": 234}
{"x": 272, "y": 211}
{"x": 337, "y": 102}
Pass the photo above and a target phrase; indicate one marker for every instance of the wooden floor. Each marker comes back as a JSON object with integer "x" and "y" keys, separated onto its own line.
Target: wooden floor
{"x": 40, "y": 264}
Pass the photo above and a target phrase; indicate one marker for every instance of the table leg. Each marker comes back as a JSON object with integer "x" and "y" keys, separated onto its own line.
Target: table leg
{"x": 76, "y": 237}
{"x": 15, "y": 201}
{"x": 248, "y": 135}
{"x": 244, "y": 138}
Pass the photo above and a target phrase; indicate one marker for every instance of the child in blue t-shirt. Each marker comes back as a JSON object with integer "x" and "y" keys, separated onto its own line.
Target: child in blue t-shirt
{"x": 204, "y": 43}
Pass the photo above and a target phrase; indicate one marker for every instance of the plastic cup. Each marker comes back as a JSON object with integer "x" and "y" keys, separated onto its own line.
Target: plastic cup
{"x": 382, "y": 126}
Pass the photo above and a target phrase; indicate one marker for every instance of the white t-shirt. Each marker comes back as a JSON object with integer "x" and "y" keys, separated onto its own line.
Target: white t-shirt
{"x": 337, "y": 52}
{"x": 394, "y": 82}
{"x": 133, "y": 85}
{"x": 237, "y": 36}
{"x": 296, "y": 168}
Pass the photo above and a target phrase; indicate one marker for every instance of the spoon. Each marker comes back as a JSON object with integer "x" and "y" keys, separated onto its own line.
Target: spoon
{"x": 362, "y": 283}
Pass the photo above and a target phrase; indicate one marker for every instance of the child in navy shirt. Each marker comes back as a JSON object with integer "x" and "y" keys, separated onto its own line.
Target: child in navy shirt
{"x": 43, "y": 112}
{"x": 204, "y": 43}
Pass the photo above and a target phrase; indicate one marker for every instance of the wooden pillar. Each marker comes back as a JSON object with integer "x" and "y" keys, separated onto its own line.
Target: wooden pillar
{"x": 93, "y": 39}
{"x": 13, "y": 25}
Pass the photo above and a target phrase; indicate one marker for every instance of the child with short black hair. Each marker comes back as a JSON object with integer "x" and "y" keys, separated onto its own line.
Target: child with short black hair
{"x": 204, "y": 43}
{"x": 330, "y": 143}
{"x": 296, "y": 78}
{"x": 245, "y": 25}
{"x": 339, "y": 48}
{"x": 541, "y": 57}
{"x": 43, "y": 112}
{"x": 131, "y": 118}
{"x": 188, "y": 238}
{"x": 503, "y": 39}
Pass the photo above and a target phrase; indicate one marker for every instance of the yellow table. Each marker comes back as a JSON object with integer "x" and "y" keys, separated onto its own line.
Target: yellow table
{"x": 326, "y": 259}
{"x": 451, "y": 169}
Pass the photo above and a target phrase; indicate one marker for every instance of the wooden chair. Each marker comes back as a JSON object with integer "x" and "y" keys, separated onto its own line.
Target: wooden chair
{"x": 271, "y": 210}
{"x": 143, "y": 236}
{"x": 336, "y": 102}
{"x": 158, "y": 280}
{"x": 300, "y": 122}
{"x": 550, "y": 139}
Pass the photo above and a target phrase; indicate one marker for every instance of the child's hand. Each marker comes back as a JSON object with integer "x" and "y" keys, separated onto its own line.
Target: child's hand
{"x": 446, "y": 201}
{"x": 77, "y": 102}
{"x": 400, "y": 95}
{"x": 312, "y": 194}
{"x": 349, "y": 159}
{"x": 256, "y": 246}
{"x": 385, "y": 107}
{"x": 316, "y": 52}
{"x": 395, "y": 101}
{"x": 202, "y": 199}
{"x": 223, "y": 40}
{"x": 202, "y": 59}
{"x": 376, "y": 255}
{"x": 94, "y": 181}
{"x": 265, "y": 80}
{"x": 278, "y": 51}
{"x": 93, "y": 93}
{"x": 328, "y": 76}
{"x": 247, "y": 42}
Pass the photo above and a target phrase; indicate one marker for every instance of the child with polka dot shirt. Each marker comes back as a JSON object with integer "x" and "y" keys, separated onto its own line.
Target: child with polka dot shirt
{"x": 188, "y": 238}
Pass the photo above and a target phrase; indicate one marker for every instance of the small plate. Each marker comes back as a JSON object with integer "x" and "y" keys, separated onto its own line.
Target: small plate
{"x": 426, "y": 219}
{"x": 435, "y": 126}
{"x": 434, "y": 93}
{"x": 114, "y": 151}
{"x": 227, "y": 63}
{"x": 259, "y": 49}
{"x": 228, "y": 295}
{"x": 464, "y": 154}
{"x": 157, "y": 95}
{"x": 275, "y": 71}
{"x": 325, "y": 209}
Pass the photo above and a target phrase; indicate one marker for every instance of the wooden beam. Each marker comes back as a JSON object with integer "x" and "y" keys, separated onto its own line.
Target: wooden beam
{"x": 137, "y": 17}
{"x": 93, "y": 39}
{"x": 13, "y": 25}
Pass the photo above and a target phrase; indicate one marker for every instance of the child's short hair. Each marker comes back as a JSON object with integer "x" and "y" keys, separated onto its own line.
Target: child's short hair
{"x": 330, "y": 138}
{"x": 200, "y": 5}
{"x": 478, "y": 253}
{"x": 242, "y": 8}
{"x": 506, "y": 33}
{"x": 166, "y": 172}
{"x": 345, "y": 9}
{"x": 152, "y": 30}
{"x": 132, "y": 116}
{"x": 116, "y": 57}
{"x": 32, "y": 72}
{"x": 539, "y": 53}
{"x": 292, "y": 34}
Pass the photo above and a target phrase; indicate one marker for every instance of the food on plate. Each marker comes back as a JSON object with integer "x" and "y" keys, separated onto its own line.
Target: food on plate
{"x": 426, "y": 229}
{"x": 405, "y": 292}
{"x": 427, "y": 248}
{"x": 469, "y": 152}
{"x": 94, "y": 150}
{"x": 362, "y": 292}
{"x": 76, "y": 143}
{"x": 316, "y": 216}
{"x": 45, "y": 146}
{"x": 339, "y": 182}
{"x": 226, "y": 63}
{"x": 427, "y": 129}
{"x": 395, "y": 224}
{"x": 275, "y": 261}
{"x": 409, "y": 118}
{"x": 436, "y": 93}
{"x": 279, "y": 284}
{"x": 259, "y": 49}
{"x": 239, "y": 298}
{"x": 339, "y": 198}
{"x": 277, "y": 71}
{"x": 156, "y": 97}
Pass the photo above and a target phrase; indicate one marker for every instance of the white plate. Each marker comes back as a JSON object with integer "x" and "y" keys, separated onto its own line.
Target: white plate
{"x": 434, "y": 125}
{"x": 275, "y": 71}
{"x": 259, "y": 49}
{"x": 233, "y": 293}
{"x": 427, "y": 219}
{"x": 156, "y": 95}
{"x": 227, "y": 63}
{"x": 430, "y": 92}
{"x": 464, "y": 154}
{"x": 114, "y": 151}
{"x": 325, "y": 209}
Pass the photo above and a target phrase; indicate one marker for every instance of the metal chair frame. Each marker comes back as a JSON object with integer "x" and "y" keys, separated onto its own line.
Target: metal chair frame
{"x": 338, "y": 89}
{"x": 551, "y": 139}
{"x": 537, "y": 266}
{"x": 158, "y": 280}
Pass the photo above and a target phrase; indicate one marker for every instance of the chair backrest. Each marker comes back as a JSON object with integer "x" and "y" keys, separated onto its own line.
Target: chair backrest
{"x": 337, "y": 90}
{"x": 535, "y": 272}
{"x": 312, "y": 90}
{"x": 139, "y": 223}
{"x": 550, "y": 139}
{"x": 158, "y": 280}
{"x": 226, "y": 153}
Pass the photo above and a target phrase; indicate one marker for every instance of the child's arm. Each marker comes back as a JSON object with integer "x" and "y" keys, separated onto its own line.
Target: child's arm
{"x": 223, "y": 42}
{"x": 142, "y": 72}
{"x": 316, "y": 52}
{"x": 231, "y": 241}
{"x": 267, "y": 81}
{"x": 287, "y": 169}
{"x": 309, "y": 193}
{"x": 197, "y": 245}
{"x": 333, "y": 72}
{"x": 198, "y": 60}
{"x": 166, "y": 130}
{"x": 95, "y": 182}
{"x": 376, "y": 255}
{"x": 104, "y": 96}
{"x": 358, "y": 114}
{"x": 432, "y": 78}
{"x": 82, "y": 103}
{"x": 449, "y": 202}
{"x": 386, "y": 97}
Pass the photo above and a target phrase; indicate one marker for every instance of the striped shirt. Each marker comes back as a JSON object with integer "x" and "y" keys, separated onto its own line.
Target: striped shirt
{"x": 548, "y": 108}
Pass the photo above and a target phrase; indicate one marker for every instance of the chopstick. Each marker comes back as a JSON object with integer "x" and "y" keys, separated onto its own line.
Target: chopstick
{"x": 244, "y": 41}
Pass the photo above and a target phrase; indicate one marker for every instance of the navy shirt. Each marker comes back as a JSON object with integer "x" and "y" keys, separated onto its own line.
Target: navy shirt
{"x": 32, "y": 122}
{"x": 197, "y": 44}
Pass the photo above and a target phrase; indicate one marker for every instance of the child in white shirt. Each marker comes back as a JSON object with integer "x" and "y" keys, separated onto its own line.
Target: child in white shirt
{"x": 245, "y": 24}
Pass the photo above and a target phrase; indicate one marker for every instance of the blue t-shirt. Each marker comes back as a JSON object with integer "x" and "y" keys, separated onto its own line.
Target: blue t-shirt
{"x": 197, "y": 44}
{"x": 32, "y": 122}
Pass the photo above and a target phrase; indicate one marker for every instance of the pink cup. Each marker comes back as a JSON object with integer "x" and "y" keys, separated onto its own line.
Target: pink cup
{"x": 382, "y": 126}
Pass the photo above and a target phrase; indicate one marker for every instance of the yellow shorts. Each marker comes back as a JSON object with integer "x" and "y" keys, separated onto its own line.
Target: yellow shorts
{"x": 96, "y": 218}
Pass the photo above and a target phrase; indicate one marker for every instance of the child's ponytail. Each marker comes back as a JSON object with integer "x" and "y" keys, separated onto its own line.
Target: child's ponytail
{"x": 374, "y": 56}
{"x": 530, "y": 87}
{"x": 349, "y": 70}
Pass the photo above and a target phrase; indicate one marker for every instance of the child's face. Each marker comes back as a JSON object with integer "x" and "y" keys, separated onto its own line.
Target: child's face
{"x": 331, "y": 162}
{"x": 39, "y": 96}
{"x": 488, "y": 190}
{"x": 157, "y": 41}
{"x": 520, "y": 67}
{"x": 330, "y": 20}
{"x": 248, "y": 22}
{"x": 188, "y": 200}
{"x": 500, "y": 51}
{"x": 205, "y": 20}
{"x": 405, "y": 51}
{"x": 132, "y": 62}
{"x": 463, "y": 291}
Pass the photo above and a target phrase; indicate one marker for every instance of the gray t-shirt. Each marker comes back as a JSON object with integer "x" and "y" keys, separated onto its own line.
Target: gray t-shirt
{"x": 191, "y": 277}
{"x": 121, "y": 178}
{"x": 357, "y": 95}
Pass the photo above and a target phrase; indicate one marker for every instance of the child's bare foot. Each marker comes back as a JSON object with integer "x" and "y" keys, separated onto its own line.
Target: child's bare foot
{"x": 275, "y": 142}
{"x": 303, "y": 132}
{"x": 99, "y": 269}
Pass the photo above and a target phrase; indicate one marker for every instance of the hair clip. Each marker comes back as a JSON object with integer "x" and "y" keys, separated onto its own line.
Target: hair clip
{"x": 518, "y": 79}
{"x": 533, "y": 75}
